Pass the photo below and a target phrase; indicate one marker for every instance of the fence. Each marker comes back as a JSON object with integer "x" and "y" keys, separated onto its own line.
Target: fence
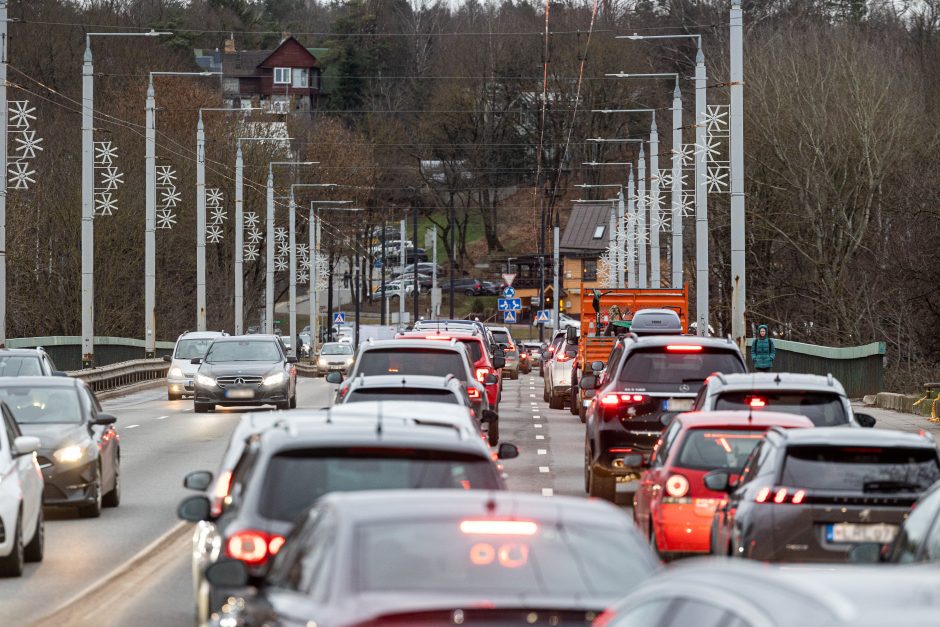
{"x": 66, "y": 350}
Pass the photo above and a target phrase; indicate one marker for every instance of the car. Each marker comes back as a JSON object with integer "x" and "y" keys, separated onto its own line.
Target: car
{"x": 918, "y": 540}
{"x": 672, "y": 507}
{"x": 565, "y": 321}
{"x": 408, "y": 557}
{"x": 534, "y": 351}
{"x": 467, "y": 326}
{"x": 247, "y": 370}
{"x": 426, "y": 268}
{"x": 468, "y": 287}
{"x": 80, "y": 450}
{"x": 189, "y": 345}
{"x": 287, "y": 463}
{"x": 27, "y": 362}
{"x": 821, "y": 398}
{"x": 492, "y": 288}
{"x": 510, "y": 348}
{"x": 811, "y": 495}
{"x": 713, "y": 593}
{"x": 558, "y": 369}
{"x": 392, "y": 290}
{"x": 334, "y": 356}
{"x": 558, "y": 337}
{"x": 21, "y": 487}
{"x": 649, "y": 380}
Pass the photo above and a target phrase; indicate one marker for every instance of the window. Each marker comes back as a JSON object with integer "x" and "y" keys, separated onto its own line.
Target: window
{"x": 301, "y": 78}
{"x": 599, "y": 231}
{"x": 589, "y": 269}
{"x": 824, "y": 409}
{"x": 282, "y": 76}
{"x": 870, "y": 469}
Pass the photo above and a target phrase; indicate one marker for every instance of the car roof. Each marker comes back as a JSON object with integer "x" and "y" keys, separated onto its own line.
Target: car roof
{"x": 778, "y": 381}
{"x": 251, "y": 337}
{"x": 840, "y": 436}
{"x": 761, "y": 418}
{"x": 404, "y": 381}
{"x": 201, "y": 335}
{"x": 22, "y": 351}
{"x": 656, "y": 341}
{"x": 407, "y": 342}
{"x": 457, "y": 335}
{"x": 36, "y": 381}
{"x": 503, "y": 329}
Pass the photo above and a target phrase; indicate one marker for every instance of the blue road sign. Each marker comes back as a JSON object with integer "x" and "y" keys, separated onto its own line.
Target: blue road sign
{"x": 339, "y": 317}
{"x": 509, "y": 292}
{"x": 509, "y": 304}
{"x": 542, "y": 316}
{"x": 509, "y": 317}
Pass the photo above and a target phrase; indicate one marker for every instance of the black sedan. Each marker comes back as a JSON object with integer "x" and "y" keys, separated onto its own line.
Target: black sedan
{"x": 444, "y": 557}
{"x": 245, "y": 370}
{"x": 80, "y": 453}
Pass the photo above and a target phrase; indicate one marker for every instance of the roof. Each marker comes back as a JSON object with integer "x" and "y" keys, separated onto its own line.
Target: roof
{"x": 21, "y": 351}
{"x": 36, "y": 381}
{"x": 246, "y": 338}
{"x": 578, "y": 236}
{"x": 201, "y": 335}
{"x": 654, "y": 341}
{"x": 779, "y": 381}
{"x": 743, "y": 419}
{"x": 406, "y": 342}
{"x": 841, "y": 436}
{"x": 438, "y": 335}
{"x": 244, "y": 63}
{"x": 403, "y": 381}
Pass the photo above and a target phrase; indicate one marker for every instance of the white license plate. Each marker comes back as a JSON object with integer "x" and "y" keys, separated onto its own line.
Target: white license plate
{"x": 239, "y": 393}
{"x": 678, "y": 404}
{"x": 851, "y": 532}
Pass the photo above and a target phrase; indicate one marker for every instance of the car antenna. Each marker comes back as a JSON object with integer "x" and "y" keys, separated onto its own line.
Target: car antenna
{"x": 378, "y": 425}
{"x": 329, "y": 410}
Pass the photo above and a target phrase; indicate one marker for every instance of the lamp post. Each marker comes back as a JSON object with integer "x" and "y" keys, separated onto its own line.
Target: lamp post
{"x": 150, "y": 238}
{"x": 88, "y": 193}
{"x": 736, "y": 148}
{"x": 313, "y": 223}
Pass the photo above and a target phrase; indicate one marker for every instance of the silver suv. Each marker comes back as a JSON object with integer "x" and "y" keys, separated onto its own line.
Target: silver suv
{"x": 510, "y": 347}
{"x": 822, "y": 399}
{"x": 189, "y": 345}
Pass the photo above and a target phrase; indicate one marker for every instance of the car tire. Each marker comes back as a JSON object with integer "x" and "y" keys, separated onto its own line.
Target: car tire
{"x": 574, "y": 405}
{"x": 545, "y": 393}
{"x": 283, "y": 406}
{"x": 492, "y": 432}
{"x": 602, "y": 487}
{"x": 12, "y": 564}
{"x": 34, "y": 550}
{"x": 202, "y": 408}
{"x": 468, "y": 292}
{"x": 113, "y": 498}
{"x": 170, "y": 396}
{"x": 555, "y": 402}
{"x": 582, "y": 411}
{"x": 93, "y": 509}
{"x": 293, "y": 402}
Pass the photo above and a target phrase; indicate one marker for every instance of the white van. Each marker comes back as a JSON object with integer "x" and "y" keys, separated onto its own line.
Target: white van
{"x": 179, "y": 378}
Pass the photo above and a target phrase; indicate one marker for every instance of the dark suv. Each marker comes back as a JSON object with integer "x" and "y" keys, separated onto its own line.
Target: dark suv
{"x": 470, "y": 287}
{"x": 811, "y": 495}
{"x": 647, "y": 380}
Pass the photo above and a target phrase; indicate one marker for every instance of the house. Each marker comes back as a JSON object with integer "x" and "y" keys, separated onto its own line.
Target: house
{"x": 281, "y": 80}
{"x": 584, "y": 240}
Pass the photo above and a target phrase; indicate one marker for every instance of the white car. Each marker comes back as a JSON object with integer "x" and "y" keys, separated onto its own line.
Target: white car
{"x": 21, "y": 485}
{"x": 179, "y": 378}
{"x": 565, "y": 321}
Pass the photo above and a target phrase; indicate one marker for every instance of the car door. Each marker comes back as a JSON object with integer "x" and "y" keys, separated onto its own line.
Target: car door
{"x": 22, "y": 468}
{"x": 652, "y": 479}
{"x": 104, "y": 435}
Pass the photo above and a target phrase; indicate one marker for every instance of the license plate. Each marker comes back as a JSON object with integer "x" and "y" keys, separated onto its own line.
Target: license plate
{"x": 851, "y": 532}
{"x": 239, "y": 393}
{"x": 678, "y": 404}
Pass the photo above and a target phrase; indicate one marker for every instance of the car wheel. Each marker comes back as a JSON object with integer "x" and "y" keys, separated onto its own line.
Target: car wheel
{"x": 113, "y": 498}
{"x": 293, "y": 401}
{"x": 582, "y": 411}
{"x": 587, "y": 466}
{"x": 574, "y": 405}
{"x": 556, "y": 402}
{"x": 468, "y": 292}
{"x": 602, "y": 487}
{"x": 283, "y": 406}
{"x": 202, "y": 408}
{"x": 12, "y": 564}
{"x": 492, "y": 432}
{"x": 93, "y": 509}
{"x": 545, "y": 393}
{"x": 34, "y": 550}
{"x": 170, "y": 396}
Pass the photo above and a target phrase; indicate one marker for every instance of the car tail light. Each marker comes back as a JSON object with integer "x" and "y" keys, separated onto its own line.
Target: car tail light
{"x": 612, "y": 400}
{"x": 684, "y": 348}
{"x": 563, "y": 357}
{"x": 222, "y": 486}
{"x": 780, "y": 495}
{"x": 473, "y": 393}
{"x": 253, "y": 547}
{"x": 481, "y": 374}
{"x": 762, "y": 495}
{"x": 677, "y": 486}
{"x": 756, "y": 402}
{"x": 499, "y": 527}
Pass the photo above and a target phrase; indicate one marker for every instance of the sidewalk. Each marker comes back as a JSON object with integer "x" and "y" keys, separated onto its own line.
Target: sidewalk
{"x": 887, "y": 419}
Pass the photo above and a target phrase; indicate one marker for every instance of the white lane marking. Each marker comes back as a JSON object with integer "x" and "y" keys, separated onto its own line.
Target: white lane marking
{"x": 131, "y": 426}
{"x": 548, "y": 492}
{"x": 542, "y": 451}
{"x": 162, "y": 417}
{"x": 544, "y": 469}
{"x": 536, "y": 416}
{"x": 537, "y": 426}
{"x": 540, "y": 437}
{"x": 531, "y": 395}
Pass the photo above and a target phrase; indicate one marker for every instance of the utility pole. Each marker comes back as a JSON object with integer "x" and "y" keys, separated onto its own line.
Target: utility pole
{"x": 631, "y": 231}
{"x": 292, "y": 270}
{"x": 556, "y": 291}
{"x": 614, "y": 269}
{"x": 435, "y": 301}
{"x": 677, "y": 253}
{"x": 382, "y": 277}
{"x": 4, "y": 129}
{"x": 701, "y": 196}
{"x": 401, "y": 276}
{"x": 239, "y": 242}
{"x": 453, "y": 251}
{"x": 414, "y": 261}
{"x": 641, "y": 220}
{"x": 655, "y": 279}
{"x": 200, "y": 224}
{"x": 269, "y": 253}
{"x": 150, "y": 236}
{"x": 621, "y": 255}
{"x": 736, "y": 141}
{"x": 312, "y": 226}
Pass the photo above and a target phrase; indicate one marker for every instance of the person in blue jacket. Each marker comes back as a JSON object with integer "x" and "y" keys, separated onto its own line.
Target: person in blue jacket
{"x": 763, "y": 351}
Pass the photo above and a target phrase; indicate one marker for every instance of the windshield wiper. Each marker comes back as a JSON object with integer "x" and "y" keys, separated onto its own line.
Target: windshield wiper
{"x": 889, "y": 486}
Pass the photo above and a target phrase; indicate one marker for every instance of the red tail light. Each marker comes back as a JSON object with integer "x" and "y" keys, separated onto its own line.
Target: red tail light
{"x": 610, "y": 400}
{"x": 564, "y": 357}
{"x": 473, "y": 393}
{"x": 684, "y": 348}
{"x": 253, "y": 547}
{"x": 677, "y": 486}
{"x": 499, "y": 527}
{"x": 780, "y": 495}
{"x": 625, "y": 399}
{"x": 756, "y": 402}
{"x": 481, "y": 373}
{"x": 222, "y": 486}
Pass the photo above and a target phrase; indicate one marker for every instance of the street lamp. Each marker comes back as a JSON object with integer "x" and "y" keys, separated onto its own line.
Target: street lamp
{"x": 150, "y": 238}
{"x": 88, "y": 193}
{"x": 312, "y": 293}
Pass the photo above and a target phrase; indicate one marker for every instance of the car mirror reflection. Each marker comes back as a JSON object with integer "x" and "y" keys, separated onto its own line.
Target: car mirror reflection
{"x": 507, "y": 451}
{"x": 865, "y": 420}
{"x": 198, "y": 480}
{"x": 194, "y": 509}
{"x": 718, "y": 481}
{"x": 334, "y": 377}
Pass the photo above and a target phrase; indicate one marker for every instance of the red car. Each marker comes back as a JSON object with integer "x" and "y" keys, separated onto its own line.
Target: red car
{"x": 672, "y": 506}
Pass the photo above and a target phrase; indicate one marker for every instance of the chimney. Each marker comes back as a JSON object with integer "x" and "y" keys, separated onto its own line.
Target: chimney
{"x": 229, "y": 44}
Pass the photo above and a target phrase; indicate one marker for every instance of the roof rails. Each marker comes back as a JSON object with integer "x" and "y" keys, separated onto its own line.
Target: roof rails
{"x": 829, "y": 379}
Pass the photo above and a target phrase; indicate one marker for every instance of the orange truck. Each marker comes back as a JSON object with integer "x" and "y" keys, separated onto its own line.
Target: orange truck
{"x": 605, "y": 314}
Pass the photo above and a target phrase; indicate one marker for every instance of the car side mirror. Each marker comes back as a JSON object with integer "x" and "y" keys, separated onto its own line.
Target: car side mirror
{"x": 489, "y": 416}
{"x": 597, "y": 366}
{"x": 546, "y": 355}
{"x": 865, "y": 553}
{"x": 588, "y": 382}
{"x": 499, "y": 361}
{"x": 196, "y": 361}
{"x": 490, "y": 379}
{"x": 25, "y": 445}
{"x": 865, "y": 420}
{"x": 167, "y": 358}
{"x": 198, "y": 480}
{"x": 334, "y": 377}
{"x": 104, "y": 419}
{"x": 634, "y": 460}
{"x": 194, "y": 509}
{"x": 571, "y": 335}
{"x": 292, "y": 359}
{"x": 717, "y": 481}
{"x": 227, "y": 573}
{"x": 507, "y": 451}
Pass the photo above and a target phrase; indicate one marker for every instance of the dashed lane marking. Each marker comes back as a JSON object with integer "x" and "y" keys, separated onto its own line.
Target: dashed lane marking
{"x": 542, "y": 451}
{"x": 544, "y": 469}
{"x": 540, "y": 437}
{"x": 537, "y": 426}
{"x": 131, "y": 426}
{"x": 548, "y": 492}
{"x": 162, "y": 417}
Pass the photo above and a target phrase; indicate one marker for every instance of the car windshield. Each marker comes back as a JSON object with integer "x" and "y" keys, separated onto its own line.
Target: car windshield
{"x": 296, "y": 479}
{"x": 707, "y": 449}
{"x": 860, "y": 468}
{"x": 243, "y": 350}
{"x": 660, "y": 366}
{"x": 192, "y": 348}
{"x": 454, "y": 554}
{"x": 40, "y": 405}
{"x": 401, "y": 394}
{"x": 824, "y": 409}
{"x": 412, "y": 361}
{"x": 336, "y": 349}
{"x": 20, "y": 366}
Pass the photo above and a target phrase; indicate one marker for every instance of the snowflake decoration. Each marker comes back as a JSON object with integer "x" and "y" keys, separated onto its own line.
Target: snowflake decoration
{"x": 716, "y": 119}
{"x": 170, "y": 197}
{"x": 214, "y": 234}
{"x": 165, "y": 219}
{"x": 712, "y": 148}
{"x": 717, "y": 179}
{"x": 681, "y": 181}
{"x": 254, "y": 236}
{"x": 302, "y": 276}
{"x": 166, "y": 176}
{"x": 218, "y": 215}
{"x": 20, "y": 175}
{"x": 687, "y": 208}
{"x": 303, "y": 250}
{"x": 105, "y": 153}
{"x": 662, "y": 222}
{"x": 280, "y": 234}
{"x": 21, "y": 113}
{"x": 280, "y": 265}
{"x": 251, "y": 220}
{"x": 251, "y": 253}
{"x": 283, "y": 250}
{"x": 214, "y": 197}
{"x": 663, "y": 177}
{"x": 28, "y": 144}
{"x": 105, "y": 204}
{"x": 111, "y": 178}
{"x": 688, "y": 155}
{"x": 305, "y": 264}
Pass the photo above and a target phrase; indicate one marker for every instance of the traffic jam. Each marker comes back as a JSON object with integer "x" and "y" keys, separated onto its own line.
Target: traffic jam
{"x": 711, "y": 495}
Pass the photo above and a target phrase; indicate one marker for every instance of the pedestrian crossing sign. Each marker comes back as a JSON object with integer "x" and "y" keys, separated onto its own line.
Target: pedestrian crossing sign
{"x": 339, "y": 317}
{"x": 541, "y": 316}
{"x": 510, "y": 317}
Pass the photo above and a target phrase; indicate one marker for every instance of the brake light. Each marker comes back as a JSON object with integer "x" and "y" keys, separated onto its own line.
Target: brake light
{"x": 253, "y": 547}
{"x": 798, "y": 497}
{"x": 762, "y": 495}
{"x": 499, "y": 527}
{"x": 473, "y": 393}
{"x": 756, "y": 402}
{"x": 563, "y": 357}
{"x": 677, "y": 486}
{"x": 683, "y": 348}
{"x": 781, "y": 495}
{"x": 610, "y": 400}
{"x": 481, "y": 374}
{"x": 615, "y": 399}
{"x": 437, "y": 337}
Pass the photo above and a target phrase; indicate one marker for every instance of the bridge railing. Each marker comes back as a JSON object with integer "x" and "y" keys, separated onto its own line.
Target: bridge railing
{"x": 122, "y": 374}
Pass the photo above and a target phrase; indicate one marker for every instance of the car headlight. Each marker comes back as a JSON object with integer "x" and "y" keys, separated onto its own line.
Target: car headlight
{"x": 349, "y": 361}
{"x": 176, "y": 372}
{"x": 72, "y": 453}
{"x": 321, "y": 362}
{"x": 275, "y": 379}
{"x": 202, "y": 379}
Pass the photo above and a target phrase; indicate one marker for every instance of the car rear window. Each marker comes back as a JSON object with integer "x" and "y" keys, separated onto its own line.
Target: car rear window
{"x": 824, "y": 409}
{"x": 20, "y": 366}
{"x": 706, "y": 449}
{"x": 501, "y": 337}
{"x": 401, "y": 394}
{"x": 475, "y": 348}
{"x": 412, "y": 361}
{"x": 459, "y": 554}
{"x": 873, "y": 469}
{"x": 295, "y": 479}
{"x": 659, "y": 366}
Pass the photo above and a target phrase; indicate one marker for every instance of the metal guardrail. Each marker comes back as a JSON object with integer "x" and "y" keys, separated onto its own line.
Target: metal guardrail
{"x": 122, "y": 374}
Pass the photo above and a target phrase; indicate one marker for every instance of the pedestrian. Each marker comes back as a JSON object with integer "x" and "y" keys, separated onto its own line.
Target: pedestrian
{"x": 346, "y": 279}
{"x": 763, "y": 351}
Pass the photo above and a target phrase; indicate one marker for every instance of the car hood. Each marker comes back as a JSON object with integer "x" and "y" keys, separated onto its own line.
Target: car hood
{"x": 56, "y": 435}
{"x": 185, "y": 365}
{"x": 250, "y": 368}
{"x": 335, "y": 359}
